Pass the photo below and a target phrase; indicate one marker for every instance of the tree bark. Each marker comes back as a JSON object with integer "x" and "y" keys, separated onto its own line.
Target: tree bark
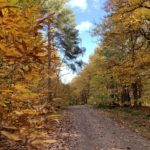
{"x": 125, "y": 96}
{"x": 49, "y": 62}
{"x": 137, "y": 91}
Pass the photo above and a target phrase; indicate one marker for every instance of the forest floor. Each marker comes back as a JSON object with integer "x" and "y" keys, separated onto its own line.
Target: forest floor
{"x": 137, "y": 119}
{"x": 85, "y": 128}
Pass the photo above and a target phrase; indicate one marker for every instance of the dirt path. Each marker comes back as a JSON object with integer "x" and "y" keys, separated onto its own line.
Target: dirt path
{"x": 95, "y": 131}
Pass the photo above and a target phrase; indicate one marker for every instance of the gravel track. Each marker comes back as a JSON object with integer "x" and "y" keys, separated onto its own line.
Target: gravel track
{"x": 94, "y": 130}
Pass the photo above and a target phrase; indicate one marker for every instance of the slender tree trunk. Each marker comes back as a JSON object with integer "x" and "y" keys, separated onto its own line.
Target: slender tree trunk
{"x": 137, "y": 91}
{"x": 49, "y": 62}
{"x": 125, "y": 96}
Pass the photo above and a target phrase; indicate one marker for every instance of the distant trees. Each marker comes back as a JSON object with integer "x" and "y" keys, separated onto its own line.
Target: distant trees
{"x": 121, "y": 63}
{"x": 62, "y": 36}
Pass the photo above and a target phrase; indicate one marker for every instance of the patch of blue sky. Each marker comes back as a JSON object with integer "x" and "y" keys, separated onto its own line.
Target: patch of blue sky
{"x": 87, "y": 12}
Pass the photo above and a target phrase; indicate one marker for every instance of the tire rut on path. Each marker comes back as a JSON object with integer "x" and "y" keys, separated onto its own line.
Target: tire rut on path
{"x": 96, "y": 131}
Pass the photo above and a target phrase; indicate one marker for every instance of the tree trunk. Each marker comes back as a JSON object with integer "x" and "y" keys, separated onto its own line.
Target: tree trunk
{"x": 125, "y": 96}
{"x": 137, "y": 91}
{"x": 49, "y": 63}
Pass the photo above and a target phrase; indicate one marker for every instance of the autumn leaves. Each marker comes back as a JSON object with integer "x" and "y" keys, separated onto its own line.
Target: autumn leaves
{"x": 118, "y": 72}
{"x": 24, "y": 70}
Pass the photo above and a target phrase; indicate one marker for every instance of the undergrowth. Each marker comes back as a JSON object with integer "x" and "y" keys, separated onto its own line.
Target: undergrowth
{"x": 138, "y": 119}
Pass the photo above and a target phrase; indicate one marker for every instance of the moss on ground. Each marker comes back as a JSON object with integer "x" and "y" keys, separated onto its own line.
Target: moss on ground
{"x": 136, "y": 119}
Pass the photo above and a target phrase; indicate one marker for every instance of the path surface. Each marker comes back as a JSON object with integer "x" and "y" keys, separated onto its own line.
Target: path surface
{"x": 96, "y": 131}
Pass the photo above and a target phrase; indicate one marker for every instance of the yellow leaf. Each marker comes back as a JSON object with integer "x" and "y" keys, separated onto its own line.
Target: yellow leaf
{"x": 55, "y": 117}
{"x": 26, "y": 112}
{"x": 43, "y": 142}
{"x": 28, "y": 77}
{"x": 21, "y": 88}
{"x": 11, "y": 136}
{"x": 50, "y": 141}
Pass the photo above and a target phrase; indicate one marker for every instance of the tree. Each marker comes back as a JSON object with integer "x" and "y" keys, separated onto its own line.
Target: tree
{"x": 62, "y": 35}
{"x": 122, "y": 37}
{"x": 24, "y": 49}
{"x": 120, "y": 63}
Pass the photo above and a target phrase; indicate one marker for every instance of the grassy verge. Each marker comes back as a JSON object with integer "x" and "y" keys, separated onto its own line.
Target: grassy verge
{"x": 136, "y": 119}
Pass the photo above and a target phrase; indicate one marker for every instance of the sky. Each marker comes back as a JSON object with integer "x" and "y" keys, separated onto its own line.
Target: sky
{"x": 87, "y": 12}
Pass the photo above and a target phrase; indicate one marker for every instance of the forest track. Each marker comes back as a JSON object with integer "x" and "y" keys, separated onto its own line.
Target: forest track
{"x": 93, "y": 130}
